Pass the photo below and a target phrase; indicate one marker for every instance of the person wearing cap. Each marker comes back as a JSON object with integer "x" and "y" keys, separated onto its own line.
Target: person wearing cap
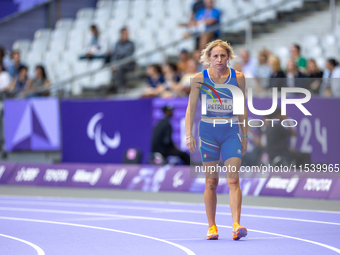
{"x": 162, "y": 138}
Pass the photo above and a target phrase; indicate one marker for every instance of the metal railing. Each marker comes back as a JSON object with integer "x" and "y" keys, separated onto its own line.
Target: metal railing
{"x": 61, "y": 84}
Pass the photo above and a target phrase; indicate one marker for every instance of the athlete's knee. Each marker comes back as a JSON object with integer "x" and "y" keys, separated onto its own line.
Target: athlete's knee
{"x": 211, "y": 184}
{"x": 233, "y": 183}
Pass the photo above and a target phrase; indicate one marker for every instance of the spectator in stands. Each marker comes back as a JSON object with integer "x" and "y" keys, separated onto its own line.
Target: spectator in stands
{"x": 171, "y": 75}
{"x": 5, "y": 79}
{"x": 155, "y": 81}
{"x": 2, "y": 55}
{"x": 204, "y": 19}
{"x": 19, "y": 84}
{"x": 96, "y": 46}
{"x": 196, "y": 55}
{"x": 182, "y": 64}
{"x": 248, "y": 64}
{"x": 183, "y": 87}
{"x": 263, "y": 70}
{"x": 197, "y": 6}
{"x": 277, "y": 78}
{"x": 14, "y": 67}
{"x": 162, "y": 138}
{"x": 237, "y": 66}
{"x": 295, "y": 53}
{"x": 315, "y": 75}
{"x": 39, "y": 82}
{"x": 331, "y": 79}
{"x": 122, "y": 49}
{"x": 293, "y": 74}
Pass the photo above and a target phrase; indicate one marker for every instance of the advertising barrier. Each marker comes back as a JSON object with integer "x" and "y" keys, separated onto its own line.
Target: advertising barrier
{"x": 163, "y": 178}
{"x": 99, "y": 131}
{"x": 32, "y": 124}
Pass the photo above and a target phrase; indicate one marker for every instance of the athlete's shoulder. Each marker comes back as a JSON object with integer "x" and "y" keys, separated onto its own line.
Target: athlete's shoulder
{"x": 239, "y": 74}
{"x": 198, "y": 75}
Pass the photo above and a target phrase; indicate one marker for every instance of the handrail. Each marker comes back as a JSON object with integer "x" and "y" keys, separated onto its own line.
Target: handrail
{"x": 60, "y": 84}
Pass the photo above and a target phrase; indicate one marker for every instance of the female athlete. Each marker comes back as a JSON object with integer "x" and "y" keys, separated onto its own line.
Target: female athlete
{"x": 223, "y": 138}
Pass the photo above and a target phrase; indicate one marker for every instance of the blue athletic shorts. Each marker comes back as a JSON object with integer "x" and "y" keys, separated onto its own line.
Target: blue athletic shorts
{"x": 222, "y": 139}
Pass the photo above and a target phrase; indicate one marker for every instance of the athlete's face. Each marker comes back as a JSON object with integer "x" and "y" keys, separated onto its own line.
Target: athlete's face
{"x": 219, "y": 57}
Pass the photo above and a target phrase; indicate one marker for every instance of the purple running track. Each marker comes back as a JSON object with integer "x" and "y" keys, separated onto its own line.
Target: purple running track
{"x": 92, "y": 226}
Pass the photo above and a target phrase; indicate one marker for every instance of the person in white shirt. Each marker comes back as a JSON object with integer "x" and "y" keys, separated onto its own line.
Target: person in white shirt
{"x": 5, "y": 79}
{"x": 97, "y": 45}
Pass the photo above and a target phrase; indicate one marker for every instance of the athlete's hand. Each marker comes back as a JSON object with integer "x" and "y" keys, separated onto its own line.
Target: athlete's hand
{"x": 244, "y": 144}
{"x": 191, "y": 144}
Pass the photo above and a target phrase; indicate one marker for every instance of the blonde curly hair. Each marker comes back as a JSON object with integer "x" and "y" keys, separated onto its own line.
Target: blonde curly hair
{"x": 206, "y": 53}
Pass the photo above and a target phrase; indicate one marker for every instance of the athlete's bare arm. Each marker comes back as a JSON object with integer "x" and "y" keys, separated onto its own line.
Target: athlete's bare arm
{"x": 191, "y": 110}
{"x": 243, "y": 118}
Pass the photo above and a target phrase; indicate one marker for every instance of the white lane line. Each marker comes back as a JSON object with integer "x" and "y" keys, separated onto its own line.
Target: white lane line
{"x": 35, "y": 247}
{"x": 161, "y": 210}
{"x": 160, "y": 202}
{"x": 186, "y": 250}
{"x": 166, "y": 220}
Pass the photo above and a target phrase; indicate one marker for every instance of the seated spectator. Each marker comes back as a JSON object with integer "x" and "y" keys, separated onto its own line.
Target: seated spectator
{"x": 248, "y": 64}
{"x": 237, "y": 66}
{"x": 263, "y": 70}
{"x": 39, "y": 83}
{"x": 314, "y": 72}
{"x": 196, "y": 55}
{"x": 204, "y": 19}
{"x": 2, "y": 55}
{"x": 331, "y": 79}
{"x": 19, "y": 84}
{"x": 182, "y": 64}
{"x": 96, "y": 46}
{"x": 122, "y": 49}
{"x": 277, "y": 78}
{"x": 5, "y": 79}
{"x": 295, "y": 53}
{"x": 183, "y": 87}
{"x": 171, "y": 75}
{"x": 155, "y": 81}
{"x": 14, "y": 67}
{"x": 293, "y": 73}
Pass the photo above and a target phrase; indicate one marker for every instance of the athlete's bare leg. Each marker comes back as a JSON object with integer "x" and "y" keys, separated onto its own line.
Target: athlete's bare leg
{"x": 210, "y": 197}
{"x": 235, "y": 194}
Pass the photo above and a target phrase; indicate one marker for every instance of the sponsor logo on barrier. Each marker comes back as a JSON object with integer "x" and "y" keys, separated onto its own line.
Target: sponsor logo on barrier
{"x": 277, "y": 182}
{"x": 56, "y": 175}
{"x": 101, "y": 140}
{"x": 313, "y": 184}
{"x": 27, "y": 174}
{"x": 118, "y": 176}
{"x": 82, "y": 175}
{"x": 177, "y": 180}
{"x": 2, "y": 170}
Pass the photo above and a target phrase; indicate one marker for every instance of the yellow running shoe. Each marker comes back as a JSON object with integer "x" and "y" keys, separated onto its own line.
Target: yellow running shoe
{"x": 212, "y": 233}
{"x": 239, "y": 231}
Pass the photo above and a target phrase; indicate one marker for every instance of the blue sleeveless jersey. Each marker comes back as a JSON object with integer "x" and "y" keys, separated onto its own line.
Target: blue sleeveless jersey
{"x": 213, "y": 105}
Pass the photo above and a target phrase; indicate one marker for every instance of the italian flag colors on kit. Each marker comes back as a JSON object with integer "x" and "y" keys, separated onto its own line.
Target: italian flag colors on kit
{"x": 205, "y": 155}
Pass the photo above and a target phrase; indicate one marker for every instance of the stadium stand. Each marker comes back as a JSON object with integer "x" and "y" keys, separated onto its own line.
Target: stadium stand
{"x": 155, "y": 24}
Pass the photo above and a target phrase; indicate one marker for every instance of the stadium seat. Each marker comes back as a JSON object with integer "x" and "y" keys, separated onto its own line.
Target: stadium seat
{"x": 85, "y": 14}
{"x": 104, "y": 5}
{"x": 64, "y": 24}
{"x": 103, "y": 77}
